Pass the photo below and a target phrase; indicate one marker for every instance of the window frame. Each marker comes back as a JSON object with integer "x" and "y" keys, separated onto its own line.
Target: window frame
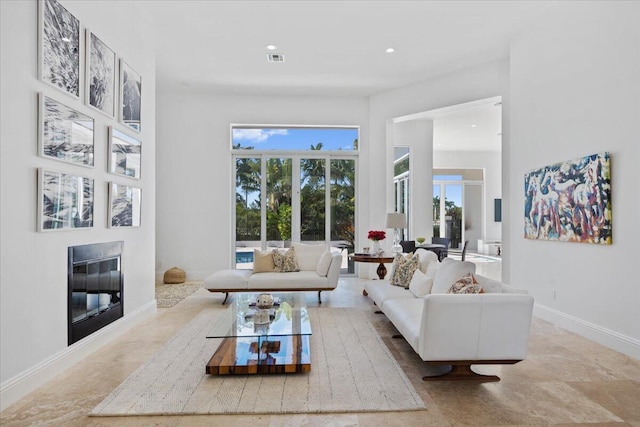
{"x": 295, "y": 156}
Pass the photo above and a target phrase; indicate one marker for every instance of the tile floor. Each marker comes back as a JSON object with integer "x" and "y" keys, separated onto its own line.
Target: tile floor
{"x": 565, "y": 380}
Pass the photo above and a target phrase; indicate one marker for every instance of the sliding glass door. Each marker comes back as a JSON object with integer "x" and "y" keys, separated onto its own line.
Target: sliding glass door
{"x": 458, "y": 209}
{"x": 273, "y": 208}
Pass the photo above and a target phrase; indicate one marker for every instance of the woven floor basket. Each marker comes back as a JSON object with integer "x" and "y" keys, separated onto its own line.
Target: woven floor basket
{"x": 175, "y": 275}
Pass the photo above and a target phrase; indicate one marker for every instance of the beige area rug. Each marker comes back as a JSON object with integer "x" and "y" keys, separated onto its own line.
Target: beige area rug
{"x": 351, "y": 371}
{"x": 168, "y": 295}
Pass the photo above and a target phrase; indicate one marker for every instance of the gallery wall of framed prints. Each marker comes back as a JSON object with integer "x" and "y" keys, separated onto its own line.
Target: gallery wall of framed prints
{"x": 91, "y": 98}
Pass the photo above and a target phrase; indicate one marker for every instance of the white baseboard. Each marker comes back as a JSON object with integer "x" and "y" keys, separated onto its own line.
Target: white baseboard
{"x": 24, "y": 383}
{"x": 614, "y": 340}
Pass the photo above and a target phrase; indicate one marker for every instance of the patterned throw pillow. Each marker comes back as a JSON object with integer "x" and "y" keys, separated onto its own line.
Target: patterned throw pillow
{"x": 287, "y": 262}
{"x": 404, "y": 267}
{"x": 467, "y": 285}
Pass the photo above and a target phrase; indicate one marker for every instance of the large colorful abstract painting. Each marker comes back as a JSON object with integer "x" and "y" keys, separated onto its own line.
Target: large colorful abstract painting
{"x": 570, "y": 201}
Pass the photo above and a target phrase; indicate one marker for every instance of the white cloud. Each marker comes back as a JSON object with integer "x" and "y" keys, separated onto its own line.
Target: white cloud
{"x": 256, "y": 135}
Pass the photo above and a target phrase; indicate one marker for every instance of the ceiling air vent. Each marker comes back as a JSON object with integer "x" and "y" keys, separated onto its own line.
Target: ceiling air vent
{"x": 275, "y": 57}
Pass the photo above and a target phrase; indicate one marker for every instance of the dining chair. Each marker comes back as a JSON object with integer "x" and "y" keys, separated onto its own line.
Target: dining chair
{"x": 408, "y": 246}
{"x": 443, "y": 253}
{"x": 464, "y": 250}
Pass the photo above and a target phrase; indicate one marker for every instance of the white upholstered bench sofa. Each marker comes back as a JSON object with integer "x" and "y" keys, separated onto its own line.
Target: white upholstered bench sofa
{"x": 318, "y": 270}
{"x": 456, "y": 329}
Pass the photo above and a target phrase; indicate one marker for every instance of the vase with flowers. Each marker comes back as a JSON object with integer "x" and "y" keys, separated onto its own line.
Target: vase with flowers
{"x": 375, "y": 236}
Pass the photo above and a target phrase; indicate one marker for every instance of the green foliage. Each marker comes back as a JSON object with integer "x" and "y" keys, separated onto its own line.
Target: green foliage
{"x": 284, "y": 222}
{"x": 454, "y": 224}
{"x": 247, "y": 223}
{"x": 401, "y": 167}
{"x": 312, "y": 198}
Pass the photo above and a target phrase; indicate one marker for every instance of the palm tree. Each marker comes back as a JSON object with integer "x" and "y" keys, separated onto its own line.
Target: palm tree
{"x": 312, "y": 196}
{"x": 248, "y": 177}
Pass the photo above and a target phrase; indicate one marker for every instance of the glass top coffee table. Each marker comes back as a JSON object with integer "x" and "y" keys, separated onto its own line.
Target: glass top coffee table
{"x": 262, "y": 340}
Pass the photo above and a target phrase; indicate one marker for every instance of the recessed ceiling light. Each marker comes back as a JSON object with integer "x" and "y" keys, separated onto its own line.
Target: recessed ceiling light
{"x": 390, "y": 50}
{"x": 473, "y": 126}
{"x": 271, "y": 47}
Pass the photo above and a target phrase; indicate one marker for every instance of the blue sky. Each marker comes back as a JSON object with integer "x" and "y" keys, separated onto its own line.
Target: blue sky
{"x": 295, "y": 138}
{"x": 454, "y": 192}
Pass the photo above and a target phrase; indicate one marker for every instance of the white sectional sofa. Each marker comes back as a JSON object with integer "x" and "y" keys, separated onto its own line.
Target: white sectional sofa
{"x": 319, "y": 271}
{"x": 456, "y": 329}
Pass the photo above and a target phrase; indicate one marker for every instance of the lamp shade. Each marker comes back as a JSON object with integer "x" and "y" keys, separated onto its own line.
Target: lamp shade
{"x": 396, "y": 220}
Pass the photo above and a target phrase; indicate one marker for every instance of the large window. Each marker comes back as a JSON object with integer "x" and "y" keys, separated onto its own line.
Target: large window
{"x": 293, "y": 184}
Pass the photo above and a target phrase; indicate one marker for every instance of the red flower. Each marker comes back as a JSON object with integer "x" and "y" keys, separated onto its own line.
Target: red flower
{"x": 376, "y": 235}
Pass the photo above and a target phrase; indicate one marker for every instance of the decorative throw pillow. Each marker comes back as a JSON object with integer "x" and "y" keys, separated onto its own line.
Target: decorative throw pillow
{"x": 285, "y": 263}
{"x": 324, "y": 263}
{"x": 420, "y": 284}
{"x": 467, "y": 285}
{"x": 262, "y": 261}
{"x": 404, "y": 269}
{"x": 399, "y": 258}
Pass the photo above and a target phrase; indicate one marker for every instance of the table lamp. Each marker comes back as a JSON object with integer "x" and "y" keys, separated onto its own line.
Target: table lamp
{"x": 397, "y": 221}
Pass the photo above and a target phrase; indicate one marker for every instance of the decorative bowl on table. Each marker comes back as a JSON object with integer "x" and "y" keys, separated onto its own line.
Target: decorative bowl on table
{"x": 264, "y": 301}
{"x": 420, "y": 240}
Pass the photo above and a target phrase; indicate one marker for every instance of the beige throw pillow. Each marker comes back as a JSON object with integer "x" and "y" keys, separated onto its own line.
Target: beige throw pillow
{"x": 287, "y": 262}
{"x": 263, "y": 261}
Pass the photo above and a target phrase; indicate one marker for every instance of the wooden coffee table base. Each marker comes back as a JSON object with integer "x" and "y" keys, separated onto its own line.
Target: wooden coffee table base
{"x": 261, "y": 355}
{"x": 380, "y": 259}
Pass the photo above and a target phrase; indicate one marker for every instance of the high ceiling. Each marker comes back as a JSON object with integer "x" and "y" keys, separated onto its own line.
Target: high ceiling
{"x": 477, "y": 128}
{"x": 330, "y": 47}
{"x": 338, "y": 48}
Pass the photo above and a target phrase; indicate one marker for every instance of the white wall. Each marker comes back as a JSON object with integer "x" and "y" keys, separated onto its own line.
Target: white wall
{"x": 33, "y": 266}
{"x": 194, "y": 206}
{"x": 491, "y": 162}
{"x": 575, "y": 90}
{"x": 482, "y": 82}
{"x": 418, "y": 136}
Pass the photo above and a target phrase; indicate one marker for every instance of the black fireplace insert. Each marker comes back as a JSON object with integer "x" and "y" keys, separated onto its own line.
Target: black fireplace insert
{"x": 95, "y": 283}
